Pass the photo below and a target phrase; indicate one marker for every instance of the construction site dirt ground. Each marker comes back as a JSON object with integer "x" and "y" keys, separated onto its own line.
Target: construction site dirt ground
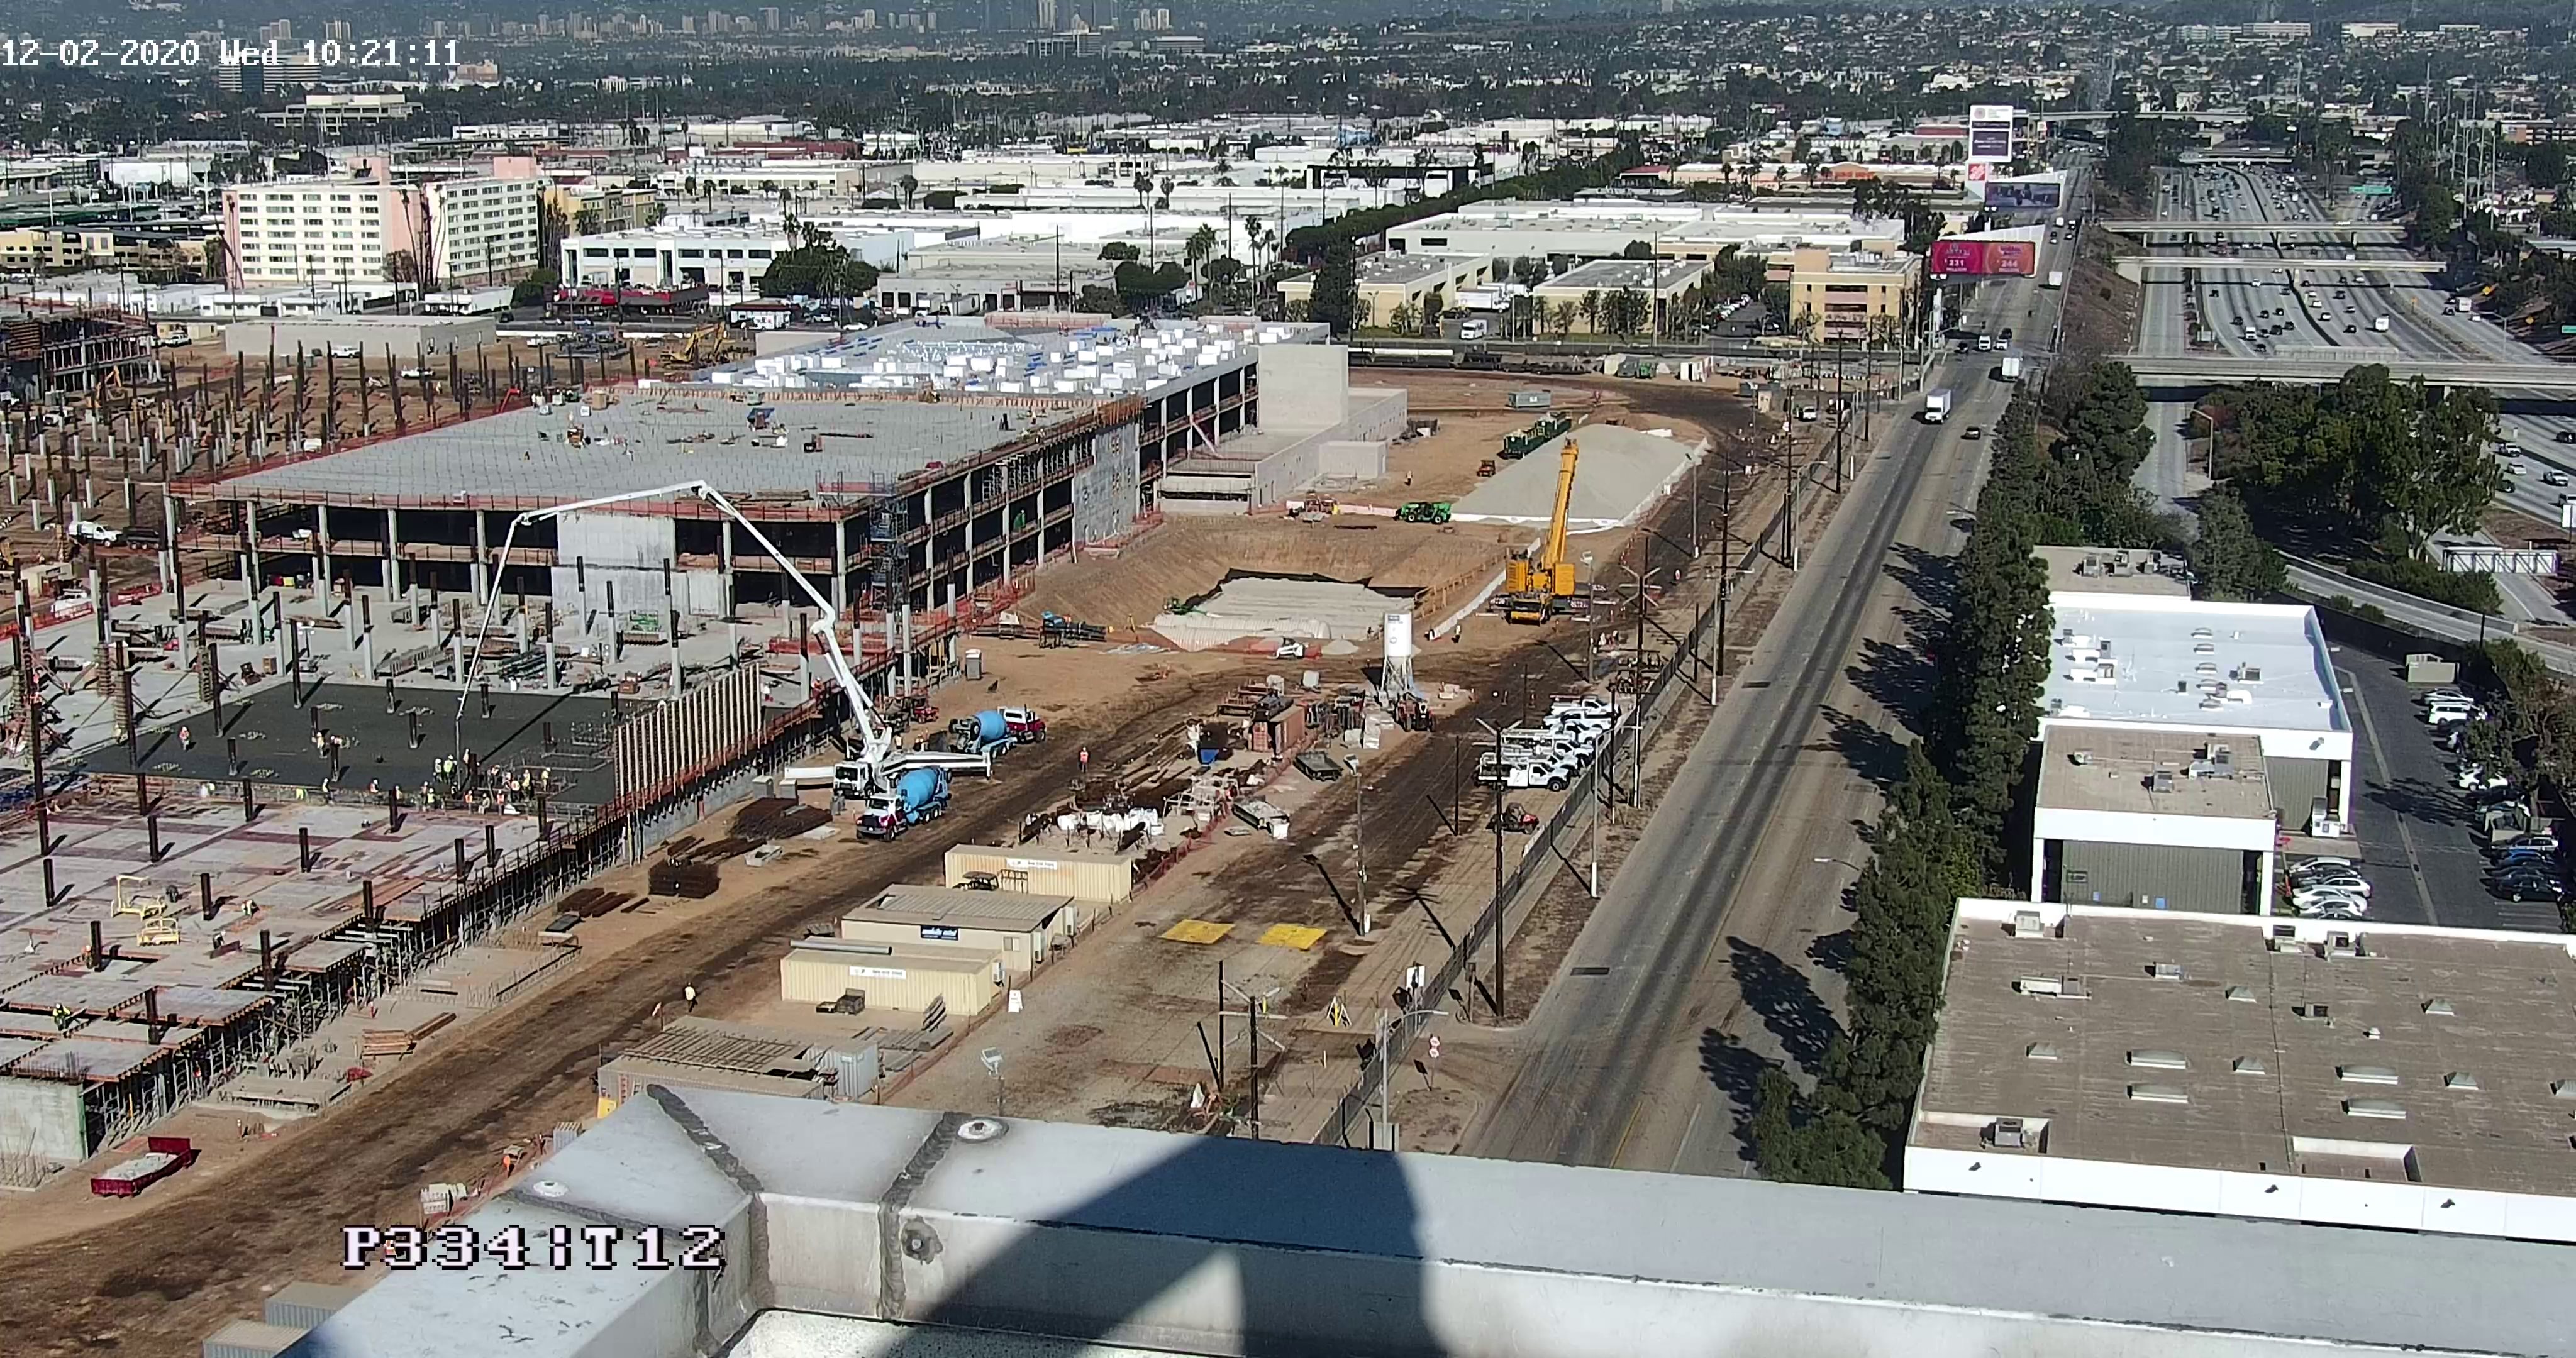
{"x": 205, "y": 1246}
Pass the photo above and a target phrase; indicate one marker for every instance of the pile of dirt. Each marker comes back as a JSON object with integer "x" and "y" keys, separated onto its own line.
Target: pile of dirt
{"x": 1187, "y": 557}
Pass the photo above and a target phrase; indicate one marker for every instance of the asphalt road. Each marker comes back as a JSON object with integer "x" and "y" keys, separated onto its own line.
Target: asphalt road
{"x": 1712, "y": 935}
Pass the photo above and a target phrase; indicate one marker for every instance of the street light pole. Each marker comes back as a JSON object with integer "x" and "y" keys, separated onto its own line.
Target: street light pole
{"x": 1359, "y": 843}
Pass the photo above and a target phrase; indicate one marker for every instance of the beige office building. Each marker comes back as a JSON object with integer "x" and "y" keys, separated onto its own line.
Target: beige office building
{"x": 1848, "y": 295}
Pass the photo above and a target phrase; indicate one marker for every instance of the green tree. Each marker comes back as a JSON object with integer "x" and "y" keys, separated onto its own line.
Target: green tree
{"x": 1121, "y": 252}
{"x": 1336, "y": 297}
{"x": 2545, "y": 166}
{"x": 820, "y": 267}
{"x": 1591, "y": 306}
{"x": 2230, "y": 559}
{"x": 1142, "y": 286}
{"x": 536, "y": 289}
{"x": 1405, "y": 319}
{"x": 1638, "y": 249}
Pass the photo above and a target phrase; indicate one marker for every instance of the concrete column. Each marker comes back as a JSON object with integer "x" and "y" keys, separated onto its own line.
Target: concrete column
{"x": 322, "y": 546}
{"x": 724, "y": 567}
{"x": 250, "y": 534}
{"x": 482, "y": 559}
{"x": 841, "y": 565}
{"x": 393, "y": 553}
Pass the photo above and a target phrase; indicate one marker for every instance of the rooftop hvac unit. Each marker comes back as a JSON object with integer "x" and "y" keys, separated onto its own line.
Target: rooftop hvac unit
{"x": 2162, "y": 780}
{"x": 2041, "y": 985}
{"x": 2006, "y": 1133}
{"x": 2249, "y": 674}
{"x": 2025, "y": 924}
{"x": 2287, "y": 942}
{"x": 2166, "y": 971}
{"x": 2340, "y": 944}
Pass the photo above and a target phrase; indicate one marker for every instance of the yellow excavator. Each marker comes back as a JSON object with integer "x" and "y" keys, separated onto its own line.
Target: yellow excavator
{"x": 1539, "y": 584}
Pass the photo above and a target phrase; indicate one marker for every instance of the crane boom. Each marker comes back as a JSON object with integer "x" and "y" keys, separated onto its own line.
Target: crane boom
{"x": 1551, "y": 557}
{"x": 875, "y": 743}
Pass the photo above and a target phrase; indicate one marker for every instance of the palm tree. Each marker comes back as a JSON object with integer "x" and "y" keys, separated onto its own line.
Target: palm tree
{"x": 1405, "y": 319}
{"x": 1562, "y": 316}
{"x": 1199, "y": 249}
{"x": 1592, "y": 309}
{"x": 1144, "y": 187}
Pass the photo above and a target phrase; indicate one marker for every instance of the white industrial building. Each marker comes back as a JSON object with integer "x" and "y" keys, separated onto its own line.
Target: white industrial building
{"x": 674, "y": 254}
{"x": 1235, "y": 415}
{"x": 2402, "y": 1077}
{"x": 2178, "y": 739}
{"x": 1604, "y": 228}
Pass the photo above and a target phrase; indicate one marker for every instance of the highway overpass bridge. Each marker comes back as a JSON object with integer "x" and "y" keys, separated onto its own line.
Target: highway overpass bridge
{"x": 2199, "y": 370}
{"x": 2131, "y": 266}
{"x": 2338, "y": 230}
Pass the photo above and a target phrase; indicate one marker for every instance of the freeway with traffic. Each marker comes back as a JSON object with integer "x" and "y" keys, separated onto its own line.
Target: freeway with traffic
{"x": 2298, "y": 306}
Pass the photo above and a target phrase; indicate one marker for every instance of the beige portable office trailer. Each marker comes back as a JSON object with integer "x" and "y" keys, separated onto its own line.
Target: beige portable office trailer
{"x": 1024, "y": 928}
{"x": 905, "y": 979}
{"x": 1092, "y": 877}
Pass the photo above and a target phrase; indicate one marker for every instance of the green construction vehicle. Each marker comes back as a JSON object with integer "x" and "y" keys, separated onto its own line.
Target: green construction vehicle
{"x": 1423, "y": 511}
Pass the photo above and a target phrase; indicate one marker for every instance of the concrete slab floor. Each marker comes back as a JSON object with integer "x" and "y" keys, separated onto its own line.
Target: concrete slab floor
{"x": 366, "y": 635}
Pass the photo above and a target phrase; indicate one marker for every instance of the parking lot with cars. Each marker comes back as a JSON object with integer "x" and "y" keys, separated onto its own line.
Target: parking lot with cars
{"x": 2418, "y": 846}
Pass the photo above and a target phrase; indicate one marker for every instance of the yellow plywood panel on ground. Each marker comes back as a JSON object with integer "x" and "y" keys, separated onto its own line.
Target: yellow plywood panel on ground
{"x": 1197, "y": 931}
{"x": 1298, "y": 936}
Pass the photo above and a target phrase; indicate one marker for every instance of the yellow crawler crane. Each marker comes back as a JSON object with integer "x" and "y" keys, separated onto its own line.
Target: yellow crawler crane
{"x": 1539, "y": 584}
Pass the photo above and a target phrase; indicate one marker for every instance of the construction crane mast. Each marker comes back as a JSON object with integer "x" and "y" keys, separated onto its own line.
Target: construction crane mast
{"x": 1539, "y": 584}
{"x": 874, "y": 758}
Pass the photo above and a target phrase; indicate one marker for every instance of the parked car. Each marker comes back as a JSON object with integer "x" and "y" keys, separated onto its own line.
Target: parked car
{"x": 2528, "y": 888}
{"x": 2322, "y": 863}
{"x": 1973, "y": 432}
{"x": 2475, "y": 778}
{"x": 2527, "y": 844}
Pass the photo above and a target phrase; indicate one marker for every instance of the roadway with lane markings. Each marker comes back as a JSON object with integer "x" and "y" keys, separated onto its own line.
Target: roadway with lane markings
{"x": 1710, "y": 949}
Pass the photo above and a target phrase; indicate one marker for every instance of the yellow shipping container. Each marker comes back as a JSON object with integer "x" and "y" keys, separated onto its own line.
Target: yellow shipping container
{"x": 903, "y": 979}
{"x": 1102, "y": 878}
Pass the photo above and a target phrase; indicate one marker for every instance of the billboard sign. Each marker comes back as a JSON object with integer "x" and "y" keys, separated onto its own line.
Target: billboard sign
{"x": 1974, "y": 257}
{"x": 2043, "y": 194}
{"x": 1990, "y": 132}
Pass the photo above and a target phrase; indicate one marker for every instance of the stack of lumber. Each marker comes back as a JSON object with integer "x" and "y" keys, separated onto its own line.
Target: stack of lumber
{"x": 399, "y": 1040}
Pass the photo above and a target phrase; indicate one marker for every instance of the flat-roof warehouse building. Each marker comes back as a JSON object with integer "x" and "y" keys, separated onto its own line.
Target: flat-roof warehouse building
{"x": 2400, "y": 1076}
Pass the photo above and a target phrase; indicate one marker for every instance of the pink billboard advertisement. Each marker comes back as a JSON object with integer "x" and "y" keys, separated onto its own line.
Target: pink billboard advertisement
{"x": 1963, "y": 255}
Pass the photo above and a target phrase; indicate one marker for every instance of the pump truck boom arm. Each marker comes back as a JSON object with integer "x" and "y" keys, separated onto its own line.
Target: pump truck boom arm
{"x": 874, "y": 750}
